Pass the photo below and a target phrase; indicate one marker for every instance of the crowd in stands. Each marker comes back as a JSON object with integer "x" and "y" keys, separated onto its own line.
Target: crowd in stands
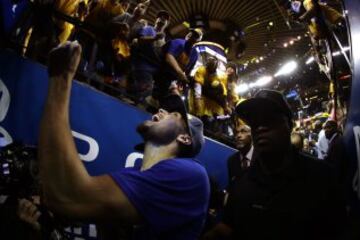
{"x": 283, "y": 183}
{"x": 125, "y": 51}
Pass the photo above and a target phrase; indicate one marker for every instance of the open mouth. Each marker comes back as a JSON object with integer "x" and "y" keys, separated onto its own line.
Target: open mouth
{"x": 155, "y": 118}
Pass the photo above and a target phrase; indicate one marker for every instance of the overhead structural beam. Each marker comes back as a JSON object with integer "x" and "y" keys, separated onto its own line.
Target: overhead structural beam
{"x": 286, "y": 19}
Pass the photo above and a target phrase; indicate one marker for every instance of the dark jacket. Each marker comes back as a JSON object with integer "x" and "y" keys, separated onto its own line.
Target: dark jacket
{"x": 302, "y": 202}
{"x": 234, "y": 166}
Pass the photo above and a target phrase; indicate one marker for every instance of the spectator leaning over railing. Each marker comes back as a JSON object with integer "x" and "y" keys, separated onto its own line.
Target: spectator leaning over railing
{"x": 103, "y": 11}
{"x": 176, "y": 54}
{"x": 72, "y": 8}
{"x": 208, "y": 97}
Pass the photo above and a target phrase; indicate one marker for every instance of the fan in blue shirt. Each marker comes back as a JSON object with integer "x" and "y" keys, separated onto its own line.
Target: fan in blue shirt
{"x": 170, "y": 197}
{"x": 167, "y": 198}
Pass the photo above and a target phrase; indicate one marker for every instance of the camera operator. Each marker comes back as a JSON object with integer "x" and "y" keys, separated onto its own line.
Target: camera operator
{"x": 22, "y": 213}
{"x": 11, "y": 226}
{"x": 28, "y": 212}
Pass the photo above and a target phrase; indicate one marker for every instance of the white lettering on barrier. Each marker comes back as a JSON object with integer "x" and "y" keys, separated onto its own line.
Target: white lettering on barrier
{"x": 6, "y": 138}
{"x": 4, "y": 101}
{"x": 131, "y": 159}
{"x": 4, "y": 107}
{"x": 92, "y": 230}
{"x": 356, "y": 180}
{"x": 93, "y": 152}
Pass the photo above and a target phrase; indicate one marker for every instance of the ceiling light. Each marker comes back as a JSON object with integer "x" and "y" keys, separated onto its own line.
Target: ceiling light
{"x": 261, "y": 58}
{"x": 263, "y": 81}
{"x": 251, "y": 85}
{"x": 337, "y": 53}
{"x": 285, "y": 44}
{"x": 310, "y": 60}
{"x": 299, "y": 37}
{"x": 241, "y": 88}
{"x": 291, "y": 42}
{"x": 286, "y": 69}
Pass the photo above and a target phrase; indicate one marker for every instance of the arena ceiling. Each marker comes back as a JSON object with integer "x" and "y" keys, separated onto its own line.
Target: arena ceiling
{"x": 257, "y": 35}
{"x": 261, "y": 26}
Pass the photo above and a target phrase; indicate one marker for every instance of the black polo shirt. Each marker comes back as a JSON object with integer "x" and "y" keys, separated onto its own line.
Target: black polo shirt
{"x": 302, "y": 202}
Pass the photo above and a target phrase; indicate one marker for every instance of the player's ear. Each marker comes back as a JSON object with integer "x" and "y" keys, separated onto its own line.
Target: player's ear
{"x": 184, "y": 139}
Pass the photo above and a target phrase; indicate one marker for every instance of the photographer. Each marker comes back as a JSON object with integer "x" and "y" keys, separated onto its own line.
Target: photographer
{"x": 28, "y": 212}
{"x": 22, "y": 212}
{"x": 11, "y": 225}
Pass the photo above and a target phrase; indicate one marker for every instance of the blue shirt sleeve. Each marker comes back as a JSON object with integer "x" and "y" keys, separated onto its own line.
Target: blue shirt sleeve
{"x": 170, "y": 195}
{"x": 176, "y": 47}
{"x": 147, "y": 31}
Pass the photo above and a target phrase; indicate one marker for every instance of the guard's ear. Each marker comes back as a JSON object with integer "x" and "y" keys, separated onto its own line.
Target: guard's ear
{"x": 184, "y": 139}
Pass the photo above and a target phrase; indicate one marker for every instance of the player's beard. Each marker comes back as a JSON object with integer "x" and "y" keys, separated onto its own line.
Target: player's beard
{"x": 150, "y": 133}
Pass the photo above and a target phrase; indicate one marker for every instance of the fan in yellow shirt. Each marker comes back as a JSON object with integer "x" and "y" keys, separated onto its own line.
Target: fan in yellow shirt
{"x": 119, "y": 43}
{"x": 104, "y": 11}
{"x": 208, "y": 97}
{"x": 72, "y": 8}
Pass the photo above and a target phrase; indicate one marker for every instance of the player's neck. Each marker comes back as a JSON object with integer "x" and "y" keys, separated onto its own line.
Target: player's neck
{"x": 154, "y": 154}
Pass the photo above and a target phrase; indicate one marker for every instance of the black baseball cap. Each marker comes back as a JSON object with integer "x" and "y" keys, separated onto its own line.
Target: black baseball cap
{"x": 163, "y": 13}
{"x": 264, "y": 103}
{"x": 195, "y": 127}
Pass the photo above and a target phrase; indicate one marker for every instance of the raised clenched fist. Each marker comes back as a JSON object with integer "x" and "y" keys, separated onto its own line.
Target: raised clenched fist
{"x": 64, "y": 60}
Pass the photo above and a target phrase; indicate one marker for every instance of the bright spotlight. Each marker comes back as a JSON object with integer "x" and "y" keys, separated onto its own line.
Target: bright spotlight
{"x": 310, "y": 60}
{"x": 251, "y": 85}
{"x": 263, "y": 81}
{"x": 291, "y": 42}
{"x": 241, "y": 88}
{"x": 287, "y": 69}
{"x": 337, "y": 53}
{"x": 285, "y": 44}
